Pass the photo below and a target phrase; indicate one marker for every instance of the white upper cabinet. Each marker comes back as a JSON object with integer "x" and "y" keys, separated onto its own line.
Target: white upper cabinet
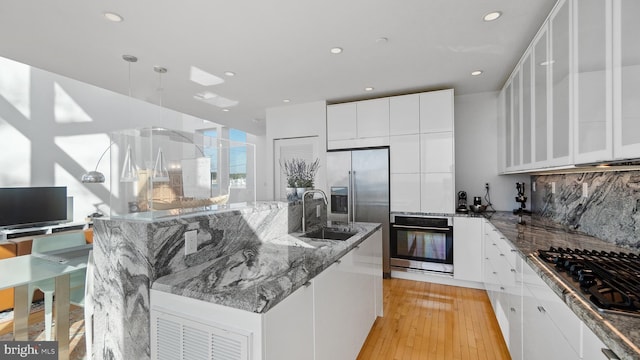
{"x": 561, "y": 139}
{"x": 358, "y": 124}
{"x": 404, "y": 115}
{"x": 373, "y": 118}
{"x": 436, "y": 152}
{"x": 572, "y": 99}
{"x": 540, "y": 99}
{"x": 592, "y": 60}
{"x": 436, "y": 111}
{"x": 404, "y": 154}
{"x": 626, "y": 59}
{"x": 341, "y": 121}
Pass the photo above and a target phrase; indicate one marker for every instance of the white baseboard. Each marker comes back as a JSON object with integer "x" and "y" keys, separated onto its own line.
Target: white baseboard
{"x": 436, "y": 278}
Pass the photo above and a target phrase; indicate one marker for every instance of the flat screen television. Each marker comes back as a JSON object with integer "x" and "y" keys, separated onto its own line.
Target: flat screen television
{"x": 32, "y": 206}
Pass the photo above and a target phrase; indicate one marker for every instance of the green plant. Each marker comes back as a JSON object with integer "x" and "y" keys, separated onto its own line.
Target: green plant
{"x": 299, "y": 173}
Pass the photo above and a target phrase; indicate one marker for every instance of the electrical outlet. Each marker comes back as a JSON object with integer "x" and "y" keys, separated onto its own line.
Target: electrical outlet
{"x": 486, "y": 186}
{"x": 553, "y": 187}
{"x": 585, "y": 190}
{"x": 190, "y": 242}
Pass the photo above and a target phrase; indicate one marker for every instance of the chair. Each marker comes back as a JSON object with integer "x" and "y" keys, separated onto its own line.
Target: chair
{"x": 76, "y": 281}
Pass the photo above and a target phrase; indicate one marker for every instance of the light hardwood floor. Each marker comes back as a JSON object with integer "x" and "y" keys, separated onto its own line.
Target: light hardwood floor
{"x": 432, "y": 321}
{"x": 422, "y": 321}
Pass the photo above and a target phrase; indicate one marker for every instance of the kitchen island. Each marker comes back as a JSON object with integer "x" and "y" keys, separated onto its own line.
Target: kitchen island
{"x": 247, "y": 259}
{"x": 292, "y": 297}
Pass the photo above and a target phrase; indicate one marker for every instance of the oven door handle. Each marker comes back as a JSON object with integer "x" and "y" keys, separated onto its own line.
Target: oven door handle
{"x": 420, "y": 227}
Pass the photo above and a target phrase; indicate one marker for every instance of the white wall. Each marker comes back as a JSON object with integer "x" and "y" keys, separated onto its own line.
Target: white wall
{"x": 293, "y": 121}
{"x": 476, "y": 131}
{"x": 53, "y": 129}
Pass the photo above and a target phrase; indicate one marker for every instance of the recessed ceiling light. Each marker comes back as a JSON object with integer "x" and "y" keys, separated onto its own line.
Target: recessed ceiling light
{"x": 111, "y": 16}
{"x": 382, "y": 40}
{"x": 229, "y": 73}
{"x": 476, "y": 73}
{"x": 494, "y": 15}
{"x": 336, "y": 50}
{"x": 225, "y": 110}
{"x": 368, "y": 89}
{"x": 286, "y": 100}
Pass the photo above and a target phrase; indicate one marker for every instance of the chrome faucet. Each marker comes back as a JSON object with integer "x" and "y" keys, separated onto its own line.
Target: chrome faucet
{"x": 304, "y": 216}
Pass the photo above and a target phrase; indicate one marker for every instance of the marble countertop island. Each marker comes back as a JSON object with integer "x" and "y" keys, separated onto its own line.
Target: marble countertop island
{"x": 620, "y": 333}
{"x": 260, "y": 275}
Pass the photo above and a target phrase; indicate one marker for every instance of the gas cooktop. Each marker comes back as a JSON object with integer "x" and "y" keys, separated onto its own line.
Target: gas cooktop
{"x": 610, "y": 281}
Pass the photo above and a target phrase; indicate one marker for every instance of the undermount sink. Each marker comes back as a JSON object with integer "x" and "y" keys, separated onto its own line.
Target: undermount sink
{"x": 328, "y": 233}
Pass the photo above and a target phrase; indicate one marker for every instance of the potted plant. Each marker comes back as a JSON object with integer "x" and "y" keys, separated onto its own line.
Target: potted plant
{"x": 300, "y": 176}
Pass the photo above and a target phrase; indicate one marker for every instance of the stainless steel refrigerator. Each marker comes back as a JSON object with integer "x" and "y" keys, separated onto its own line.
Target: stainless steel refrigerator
{"x": 358, "y": 181}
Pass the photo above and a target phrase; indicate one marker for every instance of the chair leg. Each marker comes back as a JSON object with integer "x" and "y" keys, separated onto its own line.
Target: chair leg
{"x": 48, "y": 314}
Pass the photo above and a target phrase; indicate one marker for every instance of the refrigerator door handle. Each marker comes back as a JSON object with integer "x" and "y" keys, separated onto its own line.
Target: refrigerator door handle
{"x": 353, "y": 191}
{"x": 349, "y": 198}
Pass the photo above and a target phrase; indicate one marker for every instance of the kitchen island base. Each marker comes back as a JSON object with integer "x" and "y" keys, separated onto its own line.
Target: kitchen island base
{"x": 327, "y": 318}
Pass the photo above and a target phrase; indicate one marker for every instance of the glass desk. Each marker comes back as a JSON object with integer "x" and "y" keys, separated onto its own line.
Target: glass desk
{"x": 18, "y": 272}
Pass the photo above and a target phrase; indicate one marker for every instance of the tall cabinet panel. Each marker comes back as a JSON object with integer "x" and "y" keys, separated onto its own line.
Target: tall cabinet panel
{"x": 593, "y": 113}
{"x": 560, "y": 82}
{"x": 626, "y": 79}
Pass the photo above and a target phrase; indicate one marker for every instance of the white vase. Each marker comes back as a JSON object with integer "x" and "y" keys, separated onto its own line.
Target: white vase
{"x": 291, "y": 194}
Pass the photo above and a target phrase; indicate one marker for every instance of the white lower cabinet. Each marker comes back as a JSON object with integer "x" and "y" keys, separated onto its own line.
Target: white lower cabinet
{"x": 288, "y": 327}
{"x": 534, "y": 320}
{"x": 328, "y": 318}
{"x": 467, "y": 249}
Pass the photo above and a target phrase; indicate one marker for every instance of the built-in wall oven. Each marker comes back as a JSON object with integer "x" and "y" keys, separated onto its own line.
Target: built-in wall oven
{"x": 420, "y": 243}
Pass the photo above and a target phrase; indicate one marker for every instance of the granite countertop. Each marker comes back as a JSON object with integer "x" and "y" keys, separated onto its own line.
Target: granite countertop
{"x": 620, "y": 333}
{"x": 256, "y": 279}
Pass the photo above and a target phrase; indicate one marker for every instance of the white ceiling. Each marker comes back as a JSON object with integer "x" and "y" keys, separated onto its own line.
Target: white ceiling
{"x": 278, "y": 49}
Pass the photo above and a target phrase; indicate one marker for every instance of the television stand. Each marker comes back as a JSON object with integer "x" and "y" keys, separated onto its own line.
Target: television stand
{"x": 30, "y": 230}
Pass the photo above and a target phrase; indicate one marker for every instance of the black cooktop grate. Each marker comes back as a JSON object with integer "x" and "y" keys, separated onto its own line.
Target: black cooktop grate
{"x": 610, "y": 280}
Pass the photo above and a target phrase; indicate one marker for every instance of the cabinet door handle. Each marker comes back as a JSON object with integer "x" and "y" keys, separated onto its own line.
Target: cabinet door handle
{"x": 513, "y": 309}
{"x": 513, "y": 270}
{"x": 514, "y": 250}
{"x": 541, "y": 309}
{"x": 494, "y": 273}
{"x": 494, "y": 244}
{"x": 307, "y": 284}
{"x": 501, "y": 254}
{"x": 610, "y": 354}
{"x": 502, "y": 288}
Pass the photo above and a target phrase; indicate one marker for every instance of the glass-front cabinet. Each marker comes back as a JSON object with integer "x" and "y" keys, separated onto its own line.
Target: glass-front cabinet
{"x": 540, "y": 96}
{"x": 560, "y": 45}
{"x": 573, "y": 97}
{"x": 593, "y": 113}
{"x": 626, "y": 88}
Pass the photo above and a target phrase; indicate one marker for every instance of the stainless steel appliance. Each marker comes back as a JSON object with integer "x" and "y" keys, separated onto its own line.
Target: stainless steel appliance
{"x": 358, "y": 181}
{"x": 421, "y": 243}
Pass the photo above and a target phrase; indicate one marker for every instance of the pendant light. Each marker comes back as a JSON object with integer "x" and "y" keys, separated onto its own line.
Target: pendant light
{"x": 160, "y": 172}
{"x": 129, "y": 169}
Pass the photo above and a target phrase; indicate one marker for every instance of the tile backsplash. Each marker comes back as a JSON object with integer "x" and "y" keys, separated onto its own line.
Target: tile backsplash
{"x": 610, "y": 211}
